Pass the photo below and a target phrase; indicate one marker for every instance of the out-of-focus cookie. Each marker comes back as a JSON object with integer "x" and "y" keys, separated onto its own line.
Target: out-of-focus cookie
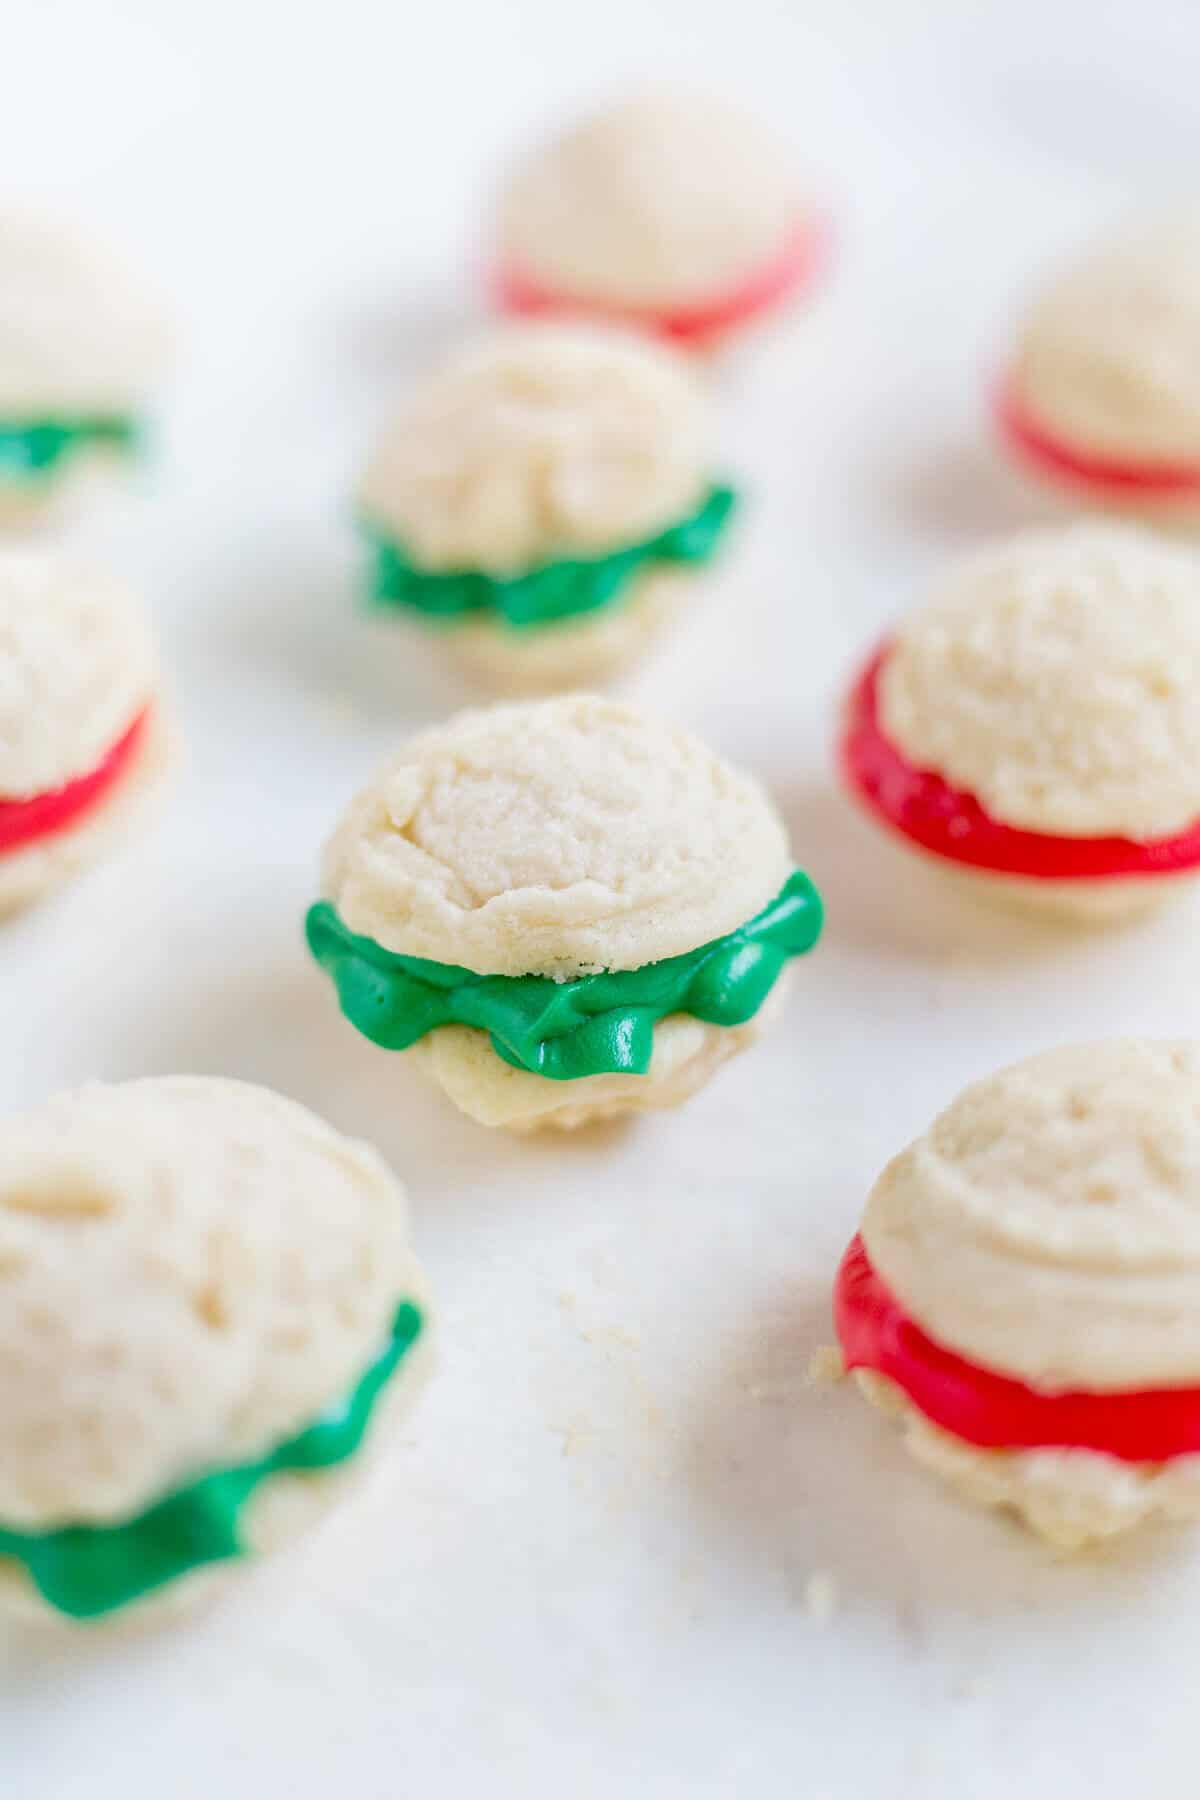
{"x": 670, "y": 212}
{"x": 1035, "y": 727}
{"x": 546, "y": 503}
{"x": 567, "y": 910}
{"x": 211, "y": 1312}
{"x": 81, "y": 347}
{"x": 84, "y": 736}
{"x": 1024, "y": 1293}
{"x": 1102, "y": 397}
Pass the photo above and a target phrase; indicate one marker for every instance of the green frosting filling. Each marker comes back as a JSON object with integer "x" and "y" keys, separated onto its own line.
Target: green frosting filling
{"x": 597, "y": 1025}
{"x": 86, "y": 1570}
{"x": 31, "y": 449}
{"x": 555, "y": 590}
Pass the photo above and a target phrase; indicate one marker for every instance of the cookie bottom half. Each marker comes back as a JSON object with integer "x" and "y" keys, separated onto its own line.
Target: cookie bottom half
{"x": 1072, "y": 1498}
{"x": 1113, "y": 900}
{"x": 29, "y": 502}
{"x": 578, "y": 651}
{"x": 1096, "y": 901}
{"x": 687, "y": 1053}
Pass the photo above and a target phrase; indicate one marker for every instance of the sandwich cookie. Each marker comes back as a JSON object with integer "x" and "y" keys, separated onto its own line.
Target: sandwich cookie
{"x": 212, "y": 1315}
{"x": 1024, "y": 1293}
{"x": 81, "y": 346}
{"x": 546, "y": 503}
{"x": 1102, "y": 398}
{"x": 564, "y": 911}
{"x": 1035, "y": 727}
{"x": 83, "y": 734}
{"x": 668, "y": 212}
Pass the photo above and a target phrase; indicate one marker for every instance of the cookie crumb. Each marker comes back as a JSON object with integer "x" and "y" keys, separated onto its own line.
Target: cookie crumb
{"x": 821, "y": 1597}
{"x": 825, "y": 1366}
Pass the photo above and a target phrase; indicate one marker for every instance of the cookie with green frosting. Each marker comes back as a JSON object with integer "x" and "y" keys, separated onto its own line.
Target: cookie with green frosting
{"x": 553, "y": 591}
{"x": 562, "y": 909}
{"x": 600, "y": 1024}
{"x": 82, "y": 345}
{"x": 36, "y": 450}
{"x": 545, "y": 500}
{"x": 216, "y": 1316}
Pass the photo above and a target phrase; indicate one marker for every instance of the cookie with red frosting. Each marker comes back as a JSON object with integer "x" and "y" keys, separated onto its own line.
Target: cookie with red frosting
{"x": 666, "y": 211}
{"x": 83, "y": 738}
{"x": 1102, "y": 396}
{"x": 1034, "y": 727}
{"x": 1024, "y": 1291}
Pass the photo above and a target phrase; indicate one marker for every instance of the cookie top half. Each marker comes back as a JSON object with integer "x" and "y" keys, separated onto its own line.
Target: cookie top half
{"x": 560, "y": 838}
{"x": 663, "y": 197}
{"x": 1047, "y": 1225}
{"x": 77, "y": 666}
{"x": 1056, "y": 676}
{"x": 191, "y": 1269}
{"x": 1109, "y": 354}
{"x": 539, "y": 442}
{"x": 78, "y": 334}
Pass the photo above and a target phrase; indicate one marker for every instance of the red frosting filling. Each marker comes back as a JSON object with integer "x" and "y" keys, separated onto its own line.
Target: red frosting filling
{"x": 23, "y": 822}
{"x": 994, "y": 1411}
{"x": 794, "y": 267}
{"x": 1083, "y": 467}
{"x": 947, "y": 822}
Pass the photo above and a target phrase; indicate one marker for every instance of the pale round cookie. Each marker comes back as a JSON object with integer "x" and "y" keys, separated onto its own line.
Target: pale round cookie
{"x": 575, "y": 652}
{"x": 565, "y": 838}
{"x": 1094, "y": 904}
{"x": 77, "y": 333}
{"x": 36, "y": 505}
{"x": 80, "y": 339}
{"x": 1047, "y": 1229}
{"x": 558, "y": 838}
{"x": 687, "y": 1054}
{"x": 77, "y": 667}
{"x": 663, "y": 200}
{"x": 1048, "y": 1223}
{"x": 196, "y": 1270}
{"x": 542, "y": 445}
{"x": 1108, "y": 360}
{"x": 538, "y": 442}
{"x": 1055, "y": 677}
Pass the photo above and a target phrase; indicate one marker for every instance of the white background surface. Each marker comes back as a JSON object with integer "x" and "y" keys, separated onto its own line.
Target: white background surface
{"x": 589, "y": 1570}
